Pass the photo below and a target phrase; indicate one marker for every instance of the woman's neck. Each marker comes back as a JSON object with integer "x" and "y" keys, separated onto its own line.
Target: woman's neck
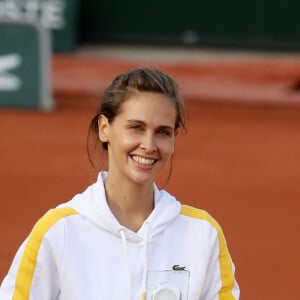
{"x": 130, "y": 203}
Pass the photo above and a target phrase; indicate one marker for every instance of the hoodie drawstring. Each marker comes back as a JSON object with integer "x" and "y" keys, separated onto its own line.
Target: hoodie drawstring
{"x": 145, "y": 262}
{"x": 125, "y": 247}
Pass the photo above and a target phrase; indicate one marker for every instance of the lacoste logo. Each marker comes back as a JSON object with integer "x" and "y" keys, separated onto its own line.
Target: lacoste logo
{"x": 8, "y": 81}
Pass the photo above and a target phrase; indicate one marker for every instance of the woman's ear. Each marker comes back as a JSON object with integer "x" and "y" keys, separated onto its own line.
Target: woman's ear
{"x": 103, "y": 128}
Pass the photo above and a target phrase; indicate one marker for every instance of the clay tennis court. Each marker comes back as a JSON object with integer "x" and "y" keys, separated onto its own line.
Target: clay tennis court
{"x": 240, "y": 161}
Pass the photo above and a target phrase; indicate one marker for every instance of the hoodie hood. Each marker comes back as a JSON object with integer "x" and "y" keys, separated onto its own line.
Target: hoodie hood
{"x": 92, "y": 204}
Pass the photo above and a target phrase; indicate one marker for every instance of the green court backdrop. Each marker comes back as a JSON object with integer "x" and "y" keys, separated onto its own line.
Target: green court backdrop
{"x": 24, "y": 66}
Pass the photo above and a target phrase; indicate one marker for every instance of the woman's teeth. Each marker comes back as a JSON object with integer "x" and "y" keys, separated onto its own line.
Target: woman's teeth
{"x": 142, "y": 160}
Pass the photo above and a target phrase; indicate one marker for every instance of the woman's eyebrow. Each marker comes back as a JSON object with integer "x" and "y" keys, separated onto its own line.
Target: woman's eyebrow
{"x": 166, "y": 127}
{"x": 136, "y": 121}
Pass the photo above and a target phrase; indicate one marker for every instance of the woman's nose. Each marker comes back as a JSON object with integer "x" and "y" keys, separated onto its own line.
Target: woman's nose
{"x": 148, "y": 143}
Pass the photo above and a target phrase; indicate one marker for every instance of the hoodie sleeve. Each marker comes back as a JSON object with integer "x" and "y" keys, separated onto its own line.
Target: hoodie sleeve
{"x": 34, "y": 273}
{"x": 220, "y": 283}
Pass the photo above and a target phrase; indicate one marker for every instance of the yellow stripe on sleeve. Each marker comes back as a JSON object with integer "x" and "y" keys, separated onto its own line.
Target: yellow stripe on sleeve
{"x": 227, "y": 276}
{"x": 28, "y": 262}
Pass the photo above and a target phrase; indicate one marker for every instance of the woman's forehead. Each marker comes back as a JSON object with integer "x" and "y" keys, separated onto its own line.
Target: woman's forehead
{"x": 150, "y": 100}
{"x": 147, "y": 106}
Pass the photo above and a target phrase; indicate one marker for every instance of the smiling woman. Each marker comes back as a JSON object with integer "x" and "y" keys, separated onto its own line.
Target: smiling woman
{"x": 120, "y": 236}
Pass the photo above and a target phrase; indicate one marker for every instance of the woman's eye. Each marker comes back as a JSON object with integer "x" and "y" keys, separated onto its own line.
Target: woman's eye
{"x": 136, "y": 127}
{"x": 165, "y": 132}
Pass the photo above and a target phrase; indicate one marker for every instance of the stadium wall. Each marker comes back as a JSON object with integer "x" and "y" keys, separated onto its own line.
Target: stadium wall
{"x": 259, "y": 24}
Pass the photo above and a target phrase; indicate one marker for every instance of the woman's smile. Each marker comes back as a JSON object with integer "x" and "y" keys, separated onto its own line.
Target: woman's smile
{"x": 142, "y": 160}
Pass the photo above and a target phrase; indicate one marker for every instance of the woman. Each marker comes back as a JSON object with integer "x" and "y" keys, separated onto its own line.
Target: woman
{"x": 123, "y": 238}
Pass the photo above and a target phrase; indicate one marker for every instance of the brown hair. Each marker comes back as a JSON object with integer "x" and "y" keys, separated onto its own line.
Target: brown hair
{"x": 123, "y": 87}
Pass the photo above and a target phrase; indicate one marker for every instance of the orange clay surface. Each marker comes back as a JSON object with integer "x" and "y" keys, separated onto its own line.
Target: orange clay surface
{"x": 239, "y": 162}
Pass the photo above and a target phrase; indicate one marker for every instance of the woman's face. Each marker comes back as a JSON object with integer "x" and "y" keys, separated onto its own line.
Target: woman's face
{"x": 141, "y": 138}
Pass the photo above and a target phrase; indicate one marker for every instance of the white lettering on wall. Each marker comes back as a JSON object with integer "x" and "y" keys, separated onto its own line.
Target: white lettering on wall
{"x": 9, "y": 82}
{"x": 50, "y": 13}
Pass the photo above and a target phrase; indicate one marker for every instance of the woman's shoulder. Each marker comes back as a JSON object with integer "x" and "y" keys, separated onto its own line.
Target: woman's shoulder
{"x": 194, "y": 212}
{"x": 49, "y": 220}
{"x": 201, "y": 215}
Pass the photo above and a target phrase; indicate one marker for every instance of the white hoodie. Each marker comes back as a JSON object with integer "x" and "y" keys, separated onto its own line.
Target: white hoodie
{"x": 79, "y": 251}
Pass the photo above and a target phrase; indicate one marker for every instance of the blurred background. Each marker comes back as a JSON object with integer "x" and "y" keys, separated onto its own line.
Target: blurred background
{"x": 238, "y": 67}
